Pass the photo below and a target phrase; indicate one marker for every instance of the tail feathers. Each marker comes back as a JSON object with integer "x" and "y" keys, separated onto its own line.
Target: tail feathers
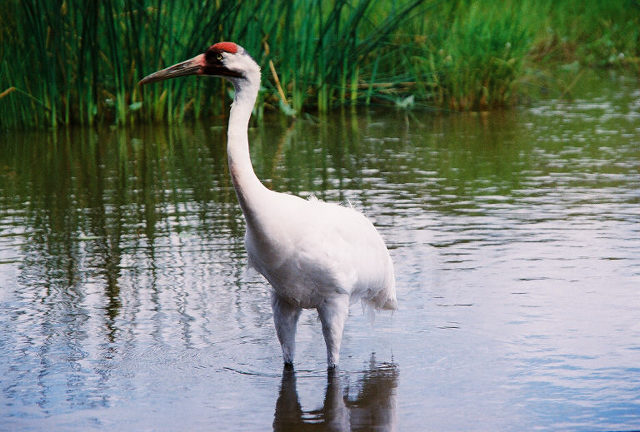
{"x": 370, "y": 306}
{"x": 390, "y": 304}
{"x": 383, "y": 301}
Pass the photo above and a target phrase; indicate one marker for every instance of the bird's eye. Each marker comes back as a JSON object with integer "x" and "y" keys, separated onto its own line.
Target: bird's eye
{"x": 219, "y": 56}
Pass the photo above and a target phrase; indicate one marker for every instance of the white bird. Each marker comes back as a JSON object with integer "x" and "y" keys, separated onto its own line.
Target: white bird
{"x": 314, "y": 254}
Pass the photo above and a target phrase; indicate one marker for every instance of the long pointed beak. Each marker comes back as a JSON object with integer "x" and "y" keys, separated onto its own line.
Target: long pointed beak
{"x": 192, "y": 66}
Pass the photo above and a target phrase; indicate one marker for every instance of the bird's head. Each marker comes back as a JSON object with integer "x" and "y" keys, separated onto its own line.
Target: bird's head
{"x": 224, "y": 59}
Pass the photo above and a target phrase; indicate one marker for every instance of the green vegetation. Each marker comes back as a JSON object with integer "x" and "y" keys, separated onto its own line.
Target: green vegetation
{"x": 78, "y": 62}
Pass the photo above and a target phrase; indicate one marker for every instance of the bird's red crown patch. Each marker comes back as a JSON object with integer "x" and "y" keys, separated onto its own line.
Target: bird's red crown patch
{"x": 229, "y": 47}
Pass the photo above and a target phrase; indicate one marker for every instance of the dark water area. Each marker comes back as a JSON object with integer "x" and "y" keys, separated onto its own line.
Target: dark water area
{"x": 126, "y": 303}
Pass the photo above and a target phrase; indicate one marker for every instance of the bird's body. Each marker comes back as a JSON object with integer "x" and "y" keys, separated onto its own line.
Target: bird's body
{"x": 309, "y": 250}
{"x": 314, "y": 254}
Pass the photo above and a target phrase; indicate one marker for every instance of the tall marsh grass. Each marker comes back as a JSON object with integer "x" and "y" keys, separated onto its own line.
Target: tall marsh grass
{"x": 77, "y": 62}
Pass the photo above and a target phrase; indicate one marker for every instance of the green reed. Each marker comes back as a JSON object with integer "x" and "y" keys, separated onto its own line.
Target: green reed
{"x": 77, "y": 62}
{"x": 476, "y": 61}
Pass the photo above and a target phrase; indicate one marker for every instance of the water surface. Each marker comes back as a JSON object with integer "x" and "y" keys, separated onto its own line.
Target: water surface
{"x": 125, "y": 301}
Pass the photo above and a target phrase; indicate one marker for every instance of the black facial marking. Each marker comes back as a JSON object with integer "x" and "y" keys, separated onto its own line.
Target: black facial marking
{"x": 213, "y": 56}
{"x": 214, "y": 64}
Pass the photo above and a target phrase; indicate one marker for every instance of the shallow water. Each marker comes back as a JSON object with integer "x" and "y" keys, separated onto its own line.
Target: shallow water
{"x": 125, "y": 302}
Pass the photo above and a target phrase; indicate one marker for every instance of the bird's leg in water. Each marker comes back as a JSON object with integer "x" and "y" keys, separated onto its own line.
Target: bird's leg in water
{"x": 333, "y": 313}
{"x": 285, "y": 317}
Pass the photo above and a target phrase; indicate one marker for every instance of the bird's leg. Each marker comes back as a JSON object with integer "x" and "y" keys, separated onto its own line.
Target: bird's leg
{"x": 285, "y": 317}
{"x": 333, "y": 313}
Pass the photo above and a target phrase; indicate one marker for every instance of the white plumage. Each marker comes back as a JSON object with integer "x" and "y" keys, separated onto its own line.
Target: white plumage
{"x": 314, "y": 254}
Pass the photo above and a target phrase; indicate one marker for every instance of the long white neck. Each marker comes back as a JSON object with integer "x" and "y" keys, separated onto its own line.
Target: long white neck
{"x": 248, "y": 188}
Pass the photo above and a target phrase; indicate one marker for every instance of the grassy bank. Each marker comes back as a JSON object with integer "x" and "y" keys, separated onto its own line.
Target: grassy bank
{"x": 77, "y": 62}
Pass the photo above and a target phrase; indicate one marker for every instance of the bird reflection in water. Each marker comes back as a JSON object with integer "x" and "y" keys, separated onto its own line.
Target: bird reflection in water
{"x": 372, "y": 407}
